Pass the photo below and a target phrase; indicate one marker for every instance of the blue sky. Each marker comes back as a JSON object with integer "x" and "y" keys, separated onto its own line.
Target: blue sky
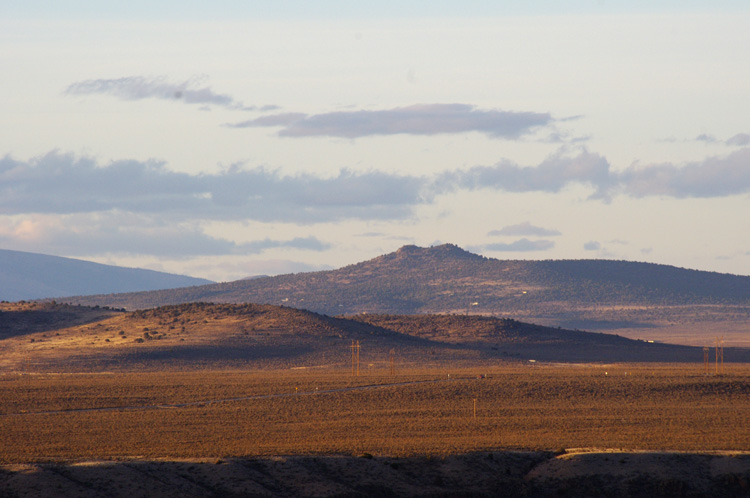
{"x": 242, "y": 138}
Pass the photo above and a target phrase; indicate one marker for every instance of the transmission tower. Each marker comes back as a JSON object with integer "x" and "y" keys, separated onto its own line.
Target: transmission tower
{"x": 720, "y": 354}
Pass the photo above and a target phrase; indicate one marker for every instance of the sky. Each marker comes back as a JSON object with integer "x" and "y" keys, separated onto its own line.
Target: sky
{"x": 228, "y": 139}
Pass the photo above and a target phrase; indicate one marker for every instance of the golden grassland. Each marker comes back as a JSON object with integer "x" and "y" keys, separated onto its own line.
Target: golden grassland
{"x": 65, "y": 417}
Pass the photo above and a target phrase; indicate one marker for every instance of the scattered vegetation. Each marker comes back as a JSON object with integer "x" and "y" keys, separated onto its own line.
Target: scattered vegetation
{"x": 220, "y": 414}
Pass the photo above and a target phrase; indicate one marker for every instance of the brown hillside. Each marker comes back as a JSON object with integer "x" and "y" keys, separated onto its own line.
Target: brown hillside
{"x": 184, "y": 336}
{"x": 475, "y": 328}
{"x": 27, "y": 318}
{"x": 201, "y": 335}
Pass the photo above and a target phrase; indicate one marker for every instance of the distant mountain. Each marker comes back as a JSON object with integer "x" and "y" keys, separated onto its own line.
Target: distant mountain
{"x": 25, "y": 275}
{"x": 592, "y": 294}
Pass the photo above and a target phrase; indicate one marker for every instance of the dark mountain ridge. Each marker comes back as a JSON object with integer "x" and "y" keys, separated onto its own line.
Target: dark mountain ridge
{"x": 26, "y": 275}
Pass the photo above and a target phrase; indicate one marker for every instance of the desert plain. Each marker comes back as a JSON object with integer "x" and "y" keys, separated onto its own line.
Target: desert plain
{"x": 172, "y": 402}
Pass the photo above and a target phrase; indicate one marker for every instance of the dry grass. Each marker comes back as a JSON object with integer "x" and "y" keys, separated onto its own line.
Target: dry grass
{"x": 635, "y": 407}
{"x": 59, "y": 338}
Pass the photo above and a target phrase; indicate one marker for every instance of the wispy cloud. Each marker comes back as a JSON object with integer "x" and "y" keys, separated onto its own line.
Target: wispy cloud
{"x": 422, "y": 119}
{"x": 525, "y": 228}
{"x": 306, "y": 243}
{"x": 192, "y": 91}
{"x": 592, "y": 245}
{"x": 740, "y": 139}
{"x": 522, "y": 245}
{"x": 91, "y": 234}
{"x": 705, "y": 137}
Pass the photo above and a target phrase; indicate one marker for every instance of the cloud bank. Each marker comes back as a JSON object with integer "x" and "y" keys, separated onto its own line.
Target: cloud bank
{"x": 552, "y": 175}
{"x": 712, "y": 177}
{"x": 63, "y": 184}
{"x": 76, "y": 206}
{"x": 423, "y": 119}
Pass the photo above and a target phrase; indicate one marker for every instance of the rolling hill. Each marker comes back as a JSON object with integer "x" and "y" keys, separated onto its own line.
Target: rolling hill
{"x": 27, "y": 275}
{"x": 59, "y": 337}
{"x": 627, "y": 297}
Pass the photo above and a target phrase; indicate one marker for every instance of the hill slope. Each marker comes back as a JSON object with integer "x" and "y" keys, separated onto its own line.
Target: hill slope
{"x": 592, "y": 294}
{"x": 27, "y": 275}
{"x": 58, "y": 337}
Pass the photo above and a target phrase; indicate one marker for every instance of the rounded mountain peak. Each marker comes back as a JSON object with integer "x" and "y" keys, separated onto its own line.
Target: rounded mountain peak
{"x": 441, "y": 251}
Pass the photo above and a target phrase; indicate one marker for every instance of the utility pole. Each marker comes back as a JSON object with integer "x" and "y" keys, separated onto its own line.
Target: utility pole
{"x": 706, "y": 351}
{"x": 355, "y": 358}
{"x": 720, "y": 354}
{"x": 393, "y": 362}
